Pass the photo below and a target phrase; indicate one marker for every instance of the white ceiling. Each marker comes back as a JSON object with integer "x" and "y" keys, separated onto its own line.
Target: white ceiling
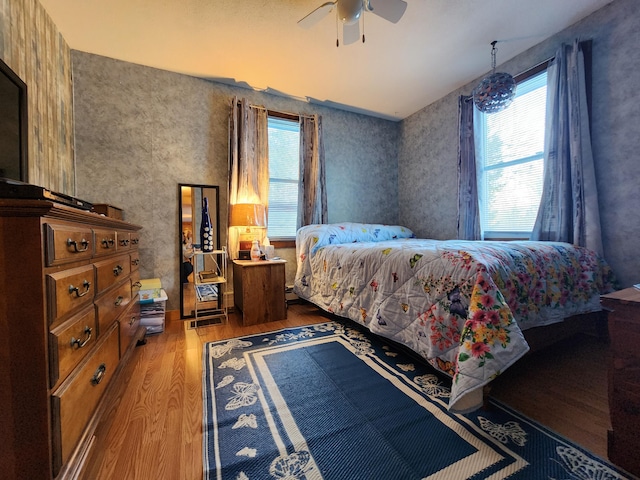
{"x": 438, "y": 46}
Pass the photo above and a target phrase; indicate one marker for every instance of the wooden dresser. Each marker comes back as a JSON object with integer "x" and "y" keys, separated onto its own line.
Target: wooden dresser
{"x": 69, "y": 318}
{"x": 624, "y": 377}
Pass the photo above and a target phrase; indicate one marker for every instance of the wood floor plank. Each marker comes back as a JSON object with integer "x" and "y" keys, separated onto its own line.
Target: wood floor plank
{"x": 191, "y": 428}
{"x": 131, "y": 461}
{"x": 564, "y": 387}
{"x": 155, "y": 428}
{"x": 104, "y": 458}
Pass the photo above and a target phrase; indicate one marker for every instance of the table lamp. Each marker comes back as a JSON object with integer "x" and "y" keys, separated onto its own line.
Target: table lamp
{"x": 246, "y": 217}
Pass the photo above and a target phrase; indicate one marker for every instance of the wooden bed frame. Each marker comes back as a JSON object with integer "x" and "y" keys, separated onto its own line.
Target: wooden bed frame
{"x": 594, "y": 323}
{"x": 538, "y": 338}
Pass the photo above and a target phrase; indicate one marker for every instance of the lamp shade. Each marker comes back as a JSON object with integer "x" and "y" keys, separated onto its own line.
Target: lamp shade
{"x": 247, "y": 215}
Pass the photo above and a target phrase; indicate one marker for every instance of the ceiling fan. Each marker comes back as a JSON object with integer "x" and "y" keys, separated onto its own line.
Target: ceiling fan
{"x": 349, "y": 12}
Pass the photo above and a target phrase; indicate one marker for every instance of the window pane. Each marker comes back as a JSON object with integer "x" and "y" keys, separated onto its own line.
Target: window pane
{"x": 513, "y": 197}
{"x": 518, "y": 131}
{"x": 511, "y": 161}
{"x": 284, "y": 145}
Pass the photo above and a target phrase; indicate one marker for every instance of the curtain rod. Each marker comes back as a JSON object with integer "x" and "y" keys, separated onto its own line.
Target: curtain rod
{"x": 279, "y": 112}
{"x": 529, "y": 72}
{"x": 545, "y": 63}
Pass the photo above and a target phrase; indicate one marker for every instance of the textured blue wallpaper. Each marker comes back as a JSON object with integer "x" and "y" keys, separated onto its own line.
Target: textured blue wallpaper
{"x": 141, "y": 131}
{"x": 428, "y": 151}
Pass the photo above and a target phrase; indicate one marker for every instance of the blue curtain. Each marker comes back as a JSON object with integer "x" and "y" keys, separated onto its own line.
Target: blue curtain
{"x": 569, "y": 205}
{"x": 248, "y": 161}
{"x": 312, "y": 193}
{"x": 468, "y": 210}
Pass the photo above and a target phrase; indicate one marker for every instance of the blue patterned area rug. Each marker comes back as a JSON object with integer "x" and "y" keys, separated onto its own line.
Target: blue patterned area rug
{"x": 332, "y": 401}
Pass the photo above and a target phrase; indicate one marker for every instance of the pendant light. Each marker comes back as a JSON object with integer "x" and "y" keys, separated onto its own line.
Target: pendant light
{"x": 495, "y": 92}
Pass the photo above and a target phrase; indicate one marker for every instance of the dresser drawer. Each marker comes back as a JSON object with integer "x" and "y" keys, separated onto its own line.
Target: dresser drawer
{"x": 135, "y": 239}
{"x": 70, "y": 342}
{"x": 74, "y": 402}
{"x": 134, "y": 260}
{"x": 111, "y": 305}
{"x": 69, "y": 290}
{"x": 124, "y": 240}
{"x": 105, "y": 240}
{"x": 135, "y": 283}
{"x": 624, "y": 335}
{"x": 129, "y": 323}
{"x": 624, "y": 405}
{"x": 111, "y": 271}
{"x": 67, "y": 243}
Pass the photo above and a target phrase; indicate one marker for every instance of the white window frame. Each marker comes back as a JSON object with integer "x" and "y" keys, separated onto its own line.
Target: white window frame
{"x": 276, "y": 204}
{"x": 480, "y": 134}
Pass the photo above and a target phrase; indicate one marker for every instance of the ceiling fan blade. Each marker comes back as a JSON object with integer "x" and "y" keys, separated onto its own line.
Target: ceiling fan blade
{"x": 391, "y": 10}
{"x": 350, "y": 33}
{"x": 317, "y": 15}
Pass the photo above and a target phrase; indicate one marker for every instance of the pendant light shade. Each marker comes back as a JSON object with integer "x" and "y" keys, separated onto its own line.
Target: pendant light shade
{"x": 496, "y": 91}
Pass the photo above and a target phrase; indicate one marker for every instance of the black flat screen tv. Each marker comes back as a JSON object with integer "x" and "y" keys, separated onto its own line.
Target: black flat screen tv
{"x": 13, "y": 125}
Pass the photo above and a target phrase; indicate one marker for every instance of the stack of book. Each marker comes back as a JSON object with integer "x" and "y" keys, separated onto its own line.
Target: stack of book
{"x": 210, "y": 276}
{"x": 153, "y": 305}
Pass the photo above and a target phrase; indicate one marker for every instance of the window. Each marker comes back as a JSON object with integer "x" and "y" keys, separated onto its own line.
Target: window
{"x": 284, "y": 172}
{"x": 510, "y": 157}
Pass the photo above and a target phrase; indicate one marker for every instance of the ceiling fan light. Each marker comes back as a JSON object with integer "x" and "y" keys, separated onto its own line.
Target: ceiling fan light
{"x": 349, "y": 11}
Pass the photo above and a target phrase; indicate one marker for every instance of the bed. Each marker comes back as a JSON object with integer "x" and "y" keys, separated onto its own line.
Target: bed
{"x": 461, "y": 305}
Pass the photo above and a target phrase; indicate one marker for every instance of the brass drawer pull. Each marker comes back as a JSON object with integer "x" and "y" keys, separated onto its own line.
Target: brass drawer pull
{"x": 132, "y": 321}
{"x": 85, "y": 284}
{"x": 124, "y": 242}
{"x": 76, "y": 342}
{"x": 137, "y": 284}
{"x": 99, "y": 375}
{"x": 107, "y": 242}
{"x": 117, "y": 270}
{"x": 135, "y": 261}
{"x": 74, "y": 244}
{"x": 135, "y": 241}
{"x": 119, "y": 300}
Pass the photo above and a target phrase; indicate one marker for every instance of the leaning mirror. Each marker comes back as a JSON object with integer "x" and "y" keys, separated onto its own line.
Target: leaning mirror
{"x": 197, "y": 202}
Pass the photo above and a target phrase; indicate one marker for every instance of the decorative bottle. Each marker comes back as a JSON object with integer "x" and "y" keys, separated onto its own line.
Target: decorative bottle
{"x": 255, "y": 251}
{"x": 206, "y": 232}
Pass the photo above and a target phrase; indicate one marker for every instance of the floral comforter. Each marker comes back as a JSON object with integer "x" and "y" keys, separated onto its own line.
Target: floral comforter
{"x": 461, "y": 305}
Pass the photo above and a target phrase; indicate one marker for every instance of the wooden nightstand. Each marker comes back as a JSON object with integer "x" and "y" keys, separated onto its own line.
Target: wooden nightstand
{"x": 258, "y": 290}
{"x": 624, "y": 377}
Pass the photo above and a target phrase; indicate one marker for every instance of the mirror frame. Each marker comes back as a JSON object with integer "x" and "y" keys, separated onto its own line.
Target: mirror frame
{"x": 214, "y": 206}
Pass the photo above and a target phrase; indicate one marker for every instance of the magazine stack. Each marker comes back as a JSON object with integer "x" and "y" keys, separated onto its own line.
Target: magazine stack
{"x": 153, "y": 305}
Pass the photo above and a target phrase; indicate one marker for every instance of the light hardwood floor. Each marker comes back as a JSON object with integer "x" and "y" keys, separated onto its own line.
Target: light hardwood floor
{"x": 155, "y": 427}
